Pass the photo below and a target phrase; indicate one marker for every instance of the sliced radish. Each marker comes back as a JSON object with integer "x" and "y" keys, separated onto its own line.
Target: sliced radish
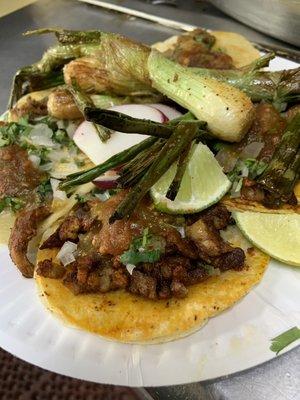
{"x": 141, "y": 111}
{"x": 105, "y": 182}
{"x": 169, "y": 112}
{"x": 87, "y": 139}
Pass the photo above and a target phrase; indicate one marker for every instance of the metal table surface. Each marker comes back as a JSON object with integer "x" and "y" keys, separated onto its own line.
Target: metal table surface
{"x": 278, "y": 379}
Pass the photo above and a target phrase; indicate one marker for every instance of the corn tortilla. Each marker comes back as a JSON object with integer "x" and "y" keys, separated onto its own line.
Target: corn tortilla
{"x": 124, "y": 317}
{"x": 239, "y": 204}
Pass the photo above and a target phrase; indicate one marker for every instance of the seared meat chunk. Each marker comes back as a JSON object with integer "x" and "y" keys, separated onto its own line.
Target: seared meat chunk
{"x": 116, "y": 238}
{"x": 69, "y": 228}
{"x": 48, "y": 269}
{"x": 80, "y": 221}
{"x": 217, "y": 216}
{"x": 195, "y": 50}
{"x": 166, "y": 278}
{"x": 90, "y": 274}
{"x": 251, "y": 191}
{"x": 267, "y": 127}
{"x": 143, "y": 285}
{"x": 24, "y": 229}
{"x": 18, "y": 176}
{"x": 178, "y": 289}
{"x": 212, "y": 248}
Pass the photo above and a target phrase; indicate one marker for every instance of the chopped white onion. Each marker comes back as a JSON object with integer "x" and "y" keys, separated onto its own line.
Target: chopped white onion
{"x": 181, "y": 230}
{"x": 252, "y": 150}
{"x": 130, "y": 268}
{"x": 66, "y": 253}
{"x": 244, "y": 171}
{"x": 103, "y": 196}
{"x": 227, "y": 159}
{"x": 36, "y": 160}
{"x": 236, "y": 189}
{"x": 57, "y": 194}
{"x": 41, "y": 135}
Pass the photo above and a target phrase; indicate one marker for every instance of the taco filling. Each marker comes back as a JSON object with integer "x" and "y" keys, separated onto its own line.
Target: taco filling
{"x": 153, "y": 255}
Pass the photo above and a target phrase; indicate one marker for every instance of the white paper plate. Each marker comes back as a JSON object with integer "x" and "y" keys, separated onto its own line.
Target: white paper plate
{"x": 237, "y": 339}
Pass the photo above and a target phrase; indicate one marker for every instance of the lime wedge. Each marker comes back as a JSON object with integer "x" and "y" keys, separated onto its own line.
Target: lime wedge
{"x": 276, "y": 234}
{"x": 203, "y": 184}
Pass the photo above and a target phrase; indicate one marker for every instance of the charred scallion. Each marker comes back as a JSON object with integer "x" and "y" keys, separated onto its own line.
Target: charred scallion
{"x": 279, "y": 176}
{"x": 113, "y": 162}
{"x": 183, "y": 135}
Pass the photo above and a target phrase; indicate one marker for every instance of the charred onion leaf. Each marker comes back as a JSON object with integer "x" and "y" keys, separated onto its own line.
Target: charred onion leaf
{"x": 131, "y": 68}
{"x": 183, "y": 135}
{"x": 285, "y": 339}
{"x": 147, "y": 248}
{"x": 281, "y": 173}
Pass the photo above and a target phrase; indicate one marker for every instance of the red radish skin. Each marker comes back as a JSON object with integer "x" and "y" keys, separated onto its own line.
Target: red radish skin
{"x": 141, "y": 111}
{"x": 169, "y": 112}
{"x": 107, "y": 181}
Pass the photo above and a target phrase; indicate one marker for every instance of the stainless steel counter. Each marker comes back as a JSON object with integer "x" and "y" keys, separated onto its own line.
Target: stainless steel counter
{"x": 276, "y": 380}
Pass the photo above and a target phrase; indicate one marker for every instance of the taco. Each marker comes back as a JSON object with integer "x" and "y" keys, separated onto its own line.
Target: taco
{"x": 102, "y": 292}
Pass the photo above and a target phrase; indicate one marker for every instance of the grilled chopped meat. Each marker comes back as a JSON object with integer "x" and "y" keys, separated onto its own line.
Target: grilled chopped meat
{"x": 69, "y": 229}
{"x": 267, "y": 127}
{"x": 212, "y": 248}
{"x": 251, "y": 191}
{"x": 24, "y": 229}
{"x": 218, "y": 216}
{"x": 98, "y": 267}
{"x": 178, "y": 289}
{"x": 18, "y": 176}
{"x": 48, "y": 269}
{"x": 99, "y": 278}
{"x": 143, "y": 285}
{"x": 115, "y": 238}
{"x": 80, "y": 221}
{"x": 195, "y": 50}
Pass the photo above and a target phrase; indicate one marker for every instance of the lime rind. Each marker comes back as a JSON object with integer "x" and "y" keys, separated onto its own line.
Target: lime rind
{"x": 203, "y": 184}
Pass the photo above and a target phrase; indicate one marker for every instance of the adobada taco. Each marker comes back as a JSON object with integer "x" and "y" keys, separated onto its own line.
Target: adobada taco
{"x": 169, "y": 293}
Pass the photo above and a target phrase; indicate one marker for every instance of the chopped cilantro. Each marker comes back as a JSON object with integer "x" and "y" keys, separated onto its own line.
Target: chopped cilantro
{"x": 217, "y": 146}
{"x": 44, "y": 189}
{"x": 11, "y": 133}
{"x": 145, "y": 248}
{"x": 14, "y": 203}
{"x": 81, "y": 198}
{"x": 250, "y": 168}
{"x": 255, "y": 167}
{"x": 79, "y": 163}
{"x": 285, "y": 339}
{"x": 41, "y": 152}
